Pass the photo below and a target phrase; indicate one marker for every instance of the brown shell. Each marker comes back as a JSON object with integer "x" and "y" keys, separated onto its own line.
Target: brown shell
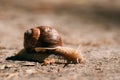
{"x": 42, "y": 36}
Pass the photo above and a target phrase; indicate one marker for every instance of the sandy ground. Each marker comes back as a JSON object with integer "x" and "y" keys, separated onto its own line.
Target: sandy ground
{"x": 98, "y": 35}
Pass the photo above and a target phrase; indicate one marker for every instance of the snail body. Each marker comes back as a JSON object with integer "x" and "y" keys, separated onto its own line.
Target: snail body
{"x": 70, "y": 54}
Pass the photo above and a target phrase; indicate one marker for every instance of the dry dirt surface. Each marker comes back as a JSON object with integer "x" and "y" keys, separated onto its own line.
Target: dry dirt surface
{"x": 95, "y": 28}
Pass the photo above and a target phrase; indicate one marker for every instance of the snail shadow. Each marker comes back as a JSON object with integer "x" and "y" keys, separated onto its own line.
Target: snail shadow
{"x": 22, "y": 55}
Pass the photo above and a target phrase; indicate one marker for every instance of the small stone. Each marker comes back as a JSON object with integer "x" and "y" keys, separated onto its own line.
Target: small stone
{"x": 2, "y": 66}
{"x": 31, "y": 71}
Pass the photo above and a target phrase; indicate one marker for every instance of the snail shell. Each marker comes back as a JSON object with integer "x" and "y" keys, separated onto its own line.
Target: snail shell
{"x": 42, "y": 36}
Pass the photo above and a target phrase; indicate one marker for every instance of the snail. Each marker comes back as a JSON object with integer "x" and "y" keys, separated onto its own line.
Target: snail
{"x": 45, "y": 39}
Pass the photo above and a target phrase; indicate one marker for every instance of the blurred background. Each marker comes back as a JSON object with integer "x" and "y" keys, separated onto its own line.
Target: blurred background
{"x": 95, "y": 20}
{"x": 78, "y": 18}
